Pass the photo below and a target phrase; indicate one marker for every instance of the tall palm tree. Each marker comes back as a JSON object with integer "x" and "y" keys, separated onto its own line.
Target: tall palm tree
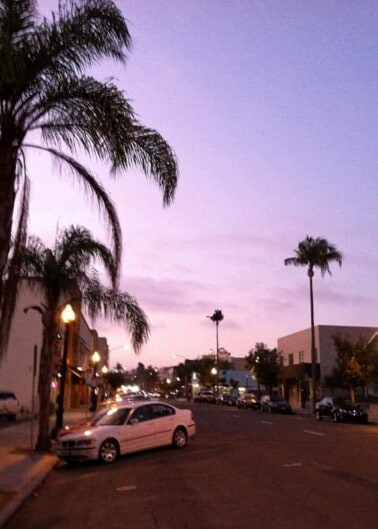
{"x": 217, "y": 317}
{"x": 66, "y": 272}
{"x": 314, "y": 253}
{"x": 49, "y": 103}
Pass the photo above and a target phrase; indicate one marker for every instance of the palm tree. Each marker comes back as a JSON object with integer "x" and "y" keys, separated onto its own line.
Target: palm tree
{"x": 66, "y": 272}
{"x": 48, "y": 102}
{"x": 217, "y": 317}
{"x": 314, "y": 253}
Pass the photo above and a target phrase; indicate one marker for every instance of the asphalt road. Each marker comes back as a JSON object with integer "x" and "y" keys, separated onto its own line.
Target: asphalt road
{"x": 243, "y": 469}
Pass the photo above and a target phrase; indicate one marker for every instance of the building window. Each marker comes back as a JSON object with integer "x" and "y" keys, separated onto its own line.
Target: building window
{"x": 301, "y": 357}
{"x": 291, "y": 359}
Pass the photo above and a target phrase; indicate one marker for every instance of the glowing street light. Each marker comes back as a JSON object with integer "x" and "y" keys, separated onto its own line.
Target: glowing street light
{"x": 95, "y": 360}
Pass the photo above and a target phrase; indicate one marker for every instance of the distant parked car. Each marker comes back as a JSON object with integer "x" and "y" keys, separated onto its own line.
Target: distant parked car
{"x": 248, "y": 400}
{"x": 9, "y": 405}
{"x": 275, "y": 404}
{"x": 226, "y": 399}
{"x": 124, "y": 429}
{"x": 340, "y": 410}
{"x": 204, "y": 396}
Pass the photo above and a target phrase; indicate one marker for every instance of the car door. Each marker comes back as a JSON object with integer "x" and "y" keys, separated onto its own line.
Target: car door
{"x": 137, "y": 432}
{"x": 163, "y": 422}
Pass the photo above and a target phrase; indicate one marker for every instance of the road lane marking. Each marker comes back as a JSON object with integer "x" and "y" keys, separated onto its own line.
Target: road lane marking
{"x": 126, "y": 488}
{"x": 315, "y": 433}
{"x": 292, "y": 465}
{"x": 266, "y": 422}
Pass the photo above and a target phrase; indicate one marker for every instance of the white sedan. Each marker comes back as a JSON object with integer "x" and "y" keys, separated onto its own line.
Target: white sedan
{"x": 9, "y": 405}
{"x": 124, "y": 429}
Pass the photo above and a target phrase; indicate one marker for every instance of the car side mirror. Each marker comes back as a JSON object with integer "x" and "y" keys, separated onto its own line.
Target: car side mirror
{"x": 134, "y": 421}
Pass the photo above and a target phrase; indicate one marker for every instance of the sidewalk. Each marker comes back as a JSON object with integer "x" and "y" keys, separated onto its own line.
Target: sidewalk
{"x": 22, "y": 470}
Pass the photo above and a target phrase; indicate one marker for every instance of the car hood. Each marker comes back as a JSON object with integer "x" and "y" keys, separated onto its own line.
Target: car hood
{"x": 79, "y": 430}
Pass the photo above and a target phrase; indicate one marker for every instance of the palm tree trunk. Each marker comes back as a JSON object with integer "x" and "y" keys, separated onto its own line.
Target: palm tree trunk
{"x": 313, "y": 349}
{"x": 217, "y": 357}
{"x": 7, "y": 199}
{"x": 44, "y": 387}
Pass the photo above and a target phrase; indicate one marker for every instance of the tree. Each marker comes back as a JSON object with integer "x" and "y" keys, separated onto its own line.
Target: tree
{"x": 264, "y": 362}
{"x": 356, "y": 364}
{"x": 314, "y": 253}
{"x": 49, "y": 103}
{"x": 66, "y": 272}
{"x": 145, "y": 377}
{"x": 115, "y": 379}
{"x": 217, "y": 317}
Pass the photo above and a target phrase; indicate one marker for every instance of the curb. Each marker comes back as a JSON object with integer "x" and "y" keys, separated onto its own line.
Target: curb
{"x": 37, "y": 467}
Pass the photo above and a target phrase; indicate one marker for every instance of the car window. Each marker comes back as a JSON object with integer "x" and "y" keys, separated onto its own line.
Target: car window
{"x": 5, "y": 395}
{"x": 113, "y": 417}
{"x": 161, "y": 410}
{"x": 143, "y": 413}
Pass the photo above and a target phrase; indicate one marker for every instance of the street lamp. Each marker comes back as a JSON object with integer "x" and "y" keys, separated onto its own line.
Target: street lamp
{"x": 95, "y": 359}
{"x": 104, "y": 371}
{"x": 216, "y": 318}
{"x": 67, "y": 316}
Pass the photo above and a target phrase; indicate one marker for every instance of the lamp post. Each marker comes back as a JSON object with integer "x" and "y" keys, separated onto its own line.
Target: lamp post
{"x": 95, "y": 359}
{"x": 214, "y": 372}
{"x": 216, "y": 318}
{"x": 104, "y": 371}
{"x": 68, "y": 316}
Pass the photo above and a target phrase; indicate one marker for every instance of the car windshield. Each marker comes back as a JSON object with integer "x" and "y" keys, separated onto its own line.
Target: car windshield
{"x": 111, "y": 417}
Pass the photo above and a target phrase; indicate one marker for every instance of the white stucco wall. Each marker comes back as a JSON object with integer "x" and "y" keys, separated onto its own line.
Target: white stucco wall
{"x": 16, "y": 369}
{"x": 324, "y": 343}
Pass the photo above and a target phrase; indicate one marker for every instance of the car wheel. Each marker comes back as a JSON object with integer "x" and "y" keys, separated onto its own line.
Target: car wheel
{"x": 180, "y": 438}
{"x": 318, "y": 416}
{"x": 335, "y": 417}
{"x": 11, "y": 417}
{"x": 109, "y": 451}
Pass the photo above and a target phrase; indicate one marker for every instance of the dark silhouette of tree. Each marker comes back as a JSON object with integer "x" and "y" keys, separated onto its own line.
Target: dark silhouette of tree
{"x": 265, "y": 364}
{"x": 356, "y": 364}
{"x": 314, "y": 253}
{"x": 66, "y": 272}
{"x": 48, "y": 102}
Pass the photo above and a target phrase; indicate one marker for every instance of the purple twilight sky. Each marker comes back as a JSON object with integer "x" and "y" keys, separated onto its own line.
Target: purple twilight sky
{"x": 272, "y": 110}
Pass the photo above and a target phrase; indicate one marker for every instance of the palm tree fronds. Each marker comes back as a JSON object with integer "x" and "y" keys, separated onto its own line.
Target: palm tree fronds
{"x": 150, "y": 151}
{"x": 82, "y": 111}
{"x": 119, "y": 307}
{"x": 77, "y": 36}
{"x": 92, "y": 186}
{"x": 99, "y": 118}
{"x": 77, "y": 247}
{"x": 93, "y": 29}
{"x": 315, "y": 253}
